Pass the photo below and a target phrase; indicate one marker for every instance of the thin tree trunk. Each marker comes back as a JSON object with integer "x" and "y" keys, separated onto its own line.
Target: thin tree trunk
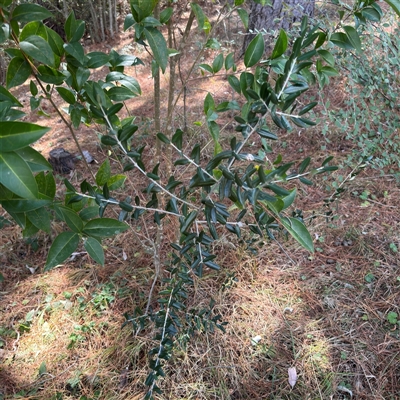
{"x": 65, "y": 9}
{"x": 110, "y": 17}
{"x": 96, "y": 28}
{"x": 115, "y": 17}
{"x": 103, "y": 37}
{"x": 157, "y": 98}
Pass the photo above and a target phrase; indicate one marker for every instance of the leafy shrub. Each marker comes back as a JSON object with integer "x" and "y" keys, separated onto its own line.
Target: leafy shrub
{"x": 370, "y": 113}
{"x": 234, "y": 188}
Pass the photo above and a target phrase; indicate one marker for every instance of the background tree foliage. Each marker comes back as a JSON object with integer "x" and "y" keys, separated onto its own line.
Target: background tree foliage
{"x": 235, "y": 188}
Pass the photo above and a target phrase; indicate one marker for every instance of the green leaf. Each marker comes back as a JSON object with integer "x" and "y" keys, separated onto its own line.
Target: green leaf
{"x": 280, "y": 45}
{"x": 66, "y": 94}
{"x": 124, "y": 80}
{"x": 215, "y": 131}
{"x": 5, "y": 3}
{"x": 34, "y": 159}
{"x": 116, "y": 181}
{"x": 79, "y": 31}
{"x": 142, "y": 8}
{"x": 207, "y": 68}
{"x": 305, "y": 181}
{"x": 70, "y": 217}
{"x": 22, "y": 206}
{"x": 97, "y": 59}
{"x": 82, "y": 75}
{"x": 50, "y": 75}
{"x": 95, "y": 250}
{"x": 341, "y": 40}
{"x": 16, "y": 176}
{"x": 244, "y": 16}
{"x": 307, "y": 108}
{"x": 76, "y": 115}
{"x": 395, "y": 4}
{"x": 18, "y": 72}
{"x": 392, "y": 317}
{"x": 37, "y": 48}
{"x": 63, "y": 246}
{"x": 109, "y": 140}
{"x": 89, "y": 213}
{"x": 5, "y": 95}
{"x": 289, "y": 199}
{"x": 166, "y": 14}
{"x": 55, "y": 42}
{"x": 218, "y": 63}
{"x": 254, "y": 52}
{"x": 327, "y": 56}
{"x": 354, "y": 39}
{"x": 33, "y": 28}
{"x": 119, "y": 93}
{"x": 30, "y": 12}
{"x": 75, "y": 49}
{"x": 299, "y": 232}
{"x": 209, "y": 103}
{"x": 199, "y": 14}
{"x": 303, "y": 166}
{"x": 29, "y": 230}
{"x": 104, "y": 227}
{"x": 4, "y": 32}
{"x": 70, "y": 26}
{"x": 129, "y": 21}
{"x": 188, "y": 221}
{"x": 104, "y": 173}
{"x": 33, "y": 88}
{"x": 235, "y": 83}
{"x": 15, "y": 135}
{"x": 158, "y": 46}
{"x": 42, "y": 369}
{"x": 329, "y": 71}
{"x": 46, "y": 184}
{"x": 40, "y": 218}
{"x": 163, "y": 138}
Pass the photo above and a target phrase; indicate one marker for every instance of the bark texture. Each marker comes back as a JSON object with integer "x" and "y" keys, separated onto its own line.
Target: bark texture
{"x": 282, "y": 14}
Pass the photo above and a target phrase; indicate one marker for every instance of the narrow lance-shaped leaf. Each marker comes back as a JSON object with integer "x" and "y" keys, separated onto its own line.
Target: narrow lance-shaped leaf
{"x": 298, "y": 231}
{"x": 30, "y": 12}
{"x": 158, "y": 46}
{"x": 104, "y": 227}
{"x": 63, "y": 246}
{"x": 15, "y": 135}
{"x": 280, "y": 45}
{"x": 395, "y": 4}
{"x": 36, "y": 47}
{"x": 254, "y": 52}
{"x": 200, "y": 16}
{"x": 95, "y": 250}
{"x": 18, "y": 72}
{"x": 16, "y": 176}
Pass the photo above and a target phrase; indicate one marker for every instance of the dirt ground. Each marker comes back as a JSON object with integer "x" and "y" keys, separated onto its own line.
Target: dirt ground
{"x": 333, "y": 315}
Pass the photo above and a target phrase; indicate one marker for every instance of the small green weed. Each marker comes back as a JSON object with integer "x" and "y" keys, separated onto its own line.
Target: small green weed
{"x": 392, "y": 318}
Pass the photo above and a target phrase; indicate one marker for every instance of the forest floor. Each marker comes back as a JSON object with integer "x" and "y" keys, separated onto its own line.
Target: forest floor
{"x": 333, "y": 315}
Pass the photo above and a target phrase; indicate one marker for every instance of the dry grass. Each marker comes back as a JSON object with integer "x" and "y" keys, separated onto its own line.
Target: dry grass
{"x": 324, "y": 314}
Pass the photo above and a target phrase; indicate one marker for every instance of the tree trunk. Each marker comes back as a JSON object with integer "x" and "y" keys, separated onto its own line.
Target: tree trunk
{"x": 281, "y": 15}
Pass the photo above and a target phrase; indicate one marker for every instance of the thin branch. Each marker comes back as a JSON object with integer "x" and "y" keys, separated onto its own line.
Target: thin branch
{"x": 141, "y": 170}
{"x": 116, "y": 202}
{"x": 287, "y": 78}
{"x": 163, "y": 334}
{"x": 181, "y": 153}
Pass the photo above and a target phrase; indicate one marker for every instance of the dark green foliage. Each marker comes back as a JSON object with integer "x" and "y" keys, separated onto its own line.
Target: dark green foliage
{"x": 235, "y": 189}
